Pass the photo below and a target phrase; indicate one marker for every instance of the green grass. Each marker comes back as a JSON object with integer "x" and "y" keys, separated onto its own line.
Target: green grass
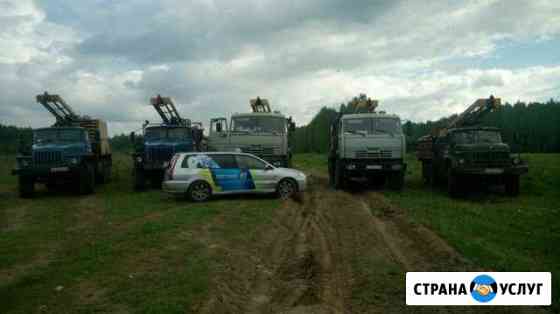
{"x": 492, "y": 230}
{"x": 116, "y": 250}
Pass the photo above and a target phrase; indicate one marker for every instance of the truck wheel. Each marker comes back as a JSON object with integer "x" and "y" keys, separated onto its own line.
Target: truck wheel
{"x": 331, "y": 173}
{"x": 86, "y": 179}
{"x": 339, "y": 175}
{"x": 26, "y": 186}
{"x": 156, "y": 181}
{"x": 512, "y": 185}
{"x": 199, "y": 191}
{"x": 427, "y": 172}
{"x": 139, "y": 180}
{"x": 452, "y": 183}
{"x": 396, "y": 180}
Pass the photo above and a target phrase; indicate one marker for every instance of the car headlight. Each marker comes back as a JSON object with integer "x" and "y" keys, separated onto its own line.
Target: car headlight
{"x": 351, "y": 167}
{"x": 138, "y": 159}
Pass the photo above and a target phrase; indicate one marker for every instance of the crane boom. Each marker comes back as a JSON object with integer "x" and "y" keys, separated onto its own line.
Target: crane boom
{"x": 167, "y": 111}
{"x": 58, "y": 108}
{"x": 475, "y": 112}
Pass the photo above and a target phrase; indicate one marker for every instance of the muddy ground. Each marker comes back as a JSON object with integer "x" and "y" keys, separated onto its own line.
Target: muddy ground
{"x": 330, "y": 252}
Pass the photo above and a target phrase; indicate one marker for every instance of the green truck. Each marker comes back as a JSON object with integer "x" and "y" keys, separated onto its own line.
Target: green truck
{"x": 160, "y": 141}
{"x": 261, "y": 132}
{"x": 464, "y": 155}
{"x": 367, "y": 145}
{"x": 74, "y": 151}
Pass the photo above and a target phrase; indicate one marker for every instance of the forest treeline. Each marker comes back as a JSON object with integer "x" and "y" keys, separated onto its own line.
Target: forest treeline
{"x": 535, "y": 126}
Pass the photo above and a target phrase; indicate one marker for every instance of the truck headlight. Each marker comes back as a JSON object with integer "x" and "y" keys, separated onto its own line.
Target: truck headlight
{"x": 139, "y": 159}
{"x": 351, "y": 167}
{"x": 396, "y": 167}
{"x": 461, "y": 161}
{"x": 74, "y": 160}
{"x": 516, "y": 161}
{"x": 25, "y": 163}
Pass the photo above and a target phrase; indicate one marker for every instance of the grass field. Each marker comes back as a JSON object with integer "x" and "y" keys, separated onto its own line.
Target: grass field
{"x": 114, "y": 251}
{"x": 121, "y": 251}
{"x": 492, "y": 230}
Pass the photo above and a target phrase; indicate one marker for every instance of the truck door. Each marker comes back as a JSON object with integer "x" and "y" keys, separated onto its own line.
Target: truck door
{"x": 218, "y": 138}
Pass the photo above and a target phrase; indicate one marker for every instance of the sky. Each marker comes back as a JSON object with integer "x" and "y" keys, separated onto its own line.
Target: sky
{"x": 421, "y": 59}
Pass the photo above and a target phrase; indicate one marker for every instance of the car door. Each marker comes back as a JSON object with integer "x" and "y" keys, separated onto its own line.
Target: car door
{"x": 227, "y": 175}
{"x": 260, "y": 176}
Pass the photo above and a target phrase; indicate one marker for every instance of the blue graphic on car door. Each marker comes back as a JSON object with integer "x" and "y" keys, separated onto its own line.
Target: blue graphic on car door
{"x": 233, "y": 179}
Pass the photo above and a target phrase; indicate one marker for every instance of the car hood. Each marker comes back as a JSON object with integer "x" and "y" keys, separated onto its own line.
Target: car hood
{"x": 289, "y": 172}
{"x": 67, "y": 148}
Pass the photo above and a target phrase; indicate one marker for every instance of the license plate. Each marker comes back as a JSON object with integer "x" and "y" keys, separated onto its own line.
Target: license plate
{"x": 493, "y": 170}
{"x": 373, "y": 167}
{"x": 60, "y": 169}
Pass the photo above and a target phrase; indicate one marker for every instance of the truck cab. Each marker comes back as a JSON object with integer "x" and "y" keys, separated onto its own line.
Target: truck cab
{"x": 367, "y": 145}
{"x": 62, "y": 155}
{"x": 477, "y": 152}
{"x": 264, "y": 134}
{"x": 153, "y": 153}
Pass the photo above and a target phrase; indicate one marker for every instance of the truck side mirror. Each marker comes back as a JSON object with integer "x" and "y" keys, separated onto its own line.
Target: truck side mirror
{"x": 292, "y": 127}
{"x": 219, "y": 127}
{"x": 132, "y": 137}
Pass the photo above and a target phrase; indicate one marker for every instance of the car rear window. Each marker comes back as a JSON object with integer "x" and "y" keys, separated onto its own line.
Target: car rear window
{"x": 203, "y": 161}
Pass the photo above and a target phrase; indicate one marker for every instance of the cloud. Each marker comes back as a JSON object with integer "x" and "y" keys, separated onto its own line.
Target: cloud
{"x": 107, "y": 58}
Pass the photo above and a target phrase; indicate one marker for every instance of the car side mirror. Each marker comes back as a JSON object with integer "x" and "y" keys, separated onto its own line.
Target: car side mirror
{"x": 268, "y": 167}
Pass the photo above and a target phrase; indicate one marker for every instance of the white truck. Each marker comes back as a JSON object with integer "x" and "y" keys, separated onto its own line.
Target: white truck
{"x": 368, "y": 145}
{"x": 262, "y": 132}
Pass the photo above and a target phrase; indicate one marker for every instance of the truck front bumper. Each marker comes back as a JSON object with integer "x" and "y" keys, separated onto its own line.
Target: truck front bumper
{"x": 494, "y": 170}
{"x": 48, "y": 171}
{"x": 373, "y": 166}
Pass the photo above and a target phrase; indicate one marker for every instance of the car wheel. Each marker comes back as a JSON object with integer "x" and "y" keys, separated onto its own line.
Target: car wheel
{"x": 286, "y": 188}
{"x": 199, "y": 191}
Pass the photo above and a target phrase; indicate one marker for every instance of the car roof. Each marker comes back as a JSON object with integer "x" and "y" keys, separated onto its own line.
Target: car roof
{"x": 216, "y": 153}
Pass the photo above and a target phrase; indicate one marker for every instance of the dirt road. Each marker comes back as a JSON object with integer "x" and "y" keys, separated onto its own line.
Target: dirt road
{"x": 332, "y": 252}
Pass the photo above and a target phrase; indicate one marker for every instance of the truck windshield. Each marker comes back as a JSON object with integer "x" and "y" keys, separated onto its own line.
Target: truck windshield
{"x": 62, "y": 135}
{"x": 272, "y": 125}
{"x": 156, "y": 133}
{"x": 477, "y": 136}
{"x": 371, "y": 126}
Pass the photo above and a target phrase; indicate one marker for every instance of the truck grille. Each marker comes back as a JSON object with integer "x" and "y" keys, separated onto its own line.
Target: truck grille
{"x": 491, "y": 158}
{"x": 258, "y": 150}
{"x": 47, "y": 158}
{"x": 160, "y": 153}
{"x": 374, "y": 155}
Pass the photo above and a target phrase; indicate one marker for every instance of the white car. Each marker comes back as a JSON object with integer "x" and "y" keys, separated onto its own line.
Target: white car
{"x": 201, "y": 175}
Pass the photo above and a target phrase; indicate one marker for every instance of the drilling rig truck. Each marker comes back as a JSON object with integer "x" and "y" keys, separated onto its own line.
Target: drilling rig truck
{"x": 368, "y": 145}
{"x": 464, "y": 153}
{"x": 261, "y": 132}
{"x": 74, "y": 150}
{"x": 161, "y": 141}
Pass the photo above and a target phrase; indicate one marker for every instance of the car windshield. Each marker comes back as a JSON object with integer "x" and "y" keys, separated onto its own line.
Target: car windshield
{"x": 477, "y": 136}
{"x": 371, "y": 126}
{"x": 62, "y": 135}
{"x": 155, "y": 133}
{"x": 275, "y": 125}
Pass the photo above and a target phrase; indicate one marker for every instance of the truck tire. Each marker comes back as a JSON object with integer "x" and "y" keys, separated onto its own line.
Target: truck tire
{"x": 512, "y": 185}
{"x": 427, "y": 172}
{"x": 452, "y": 183}
{"x": 331, "y": 172}
{"x": 396, "y": 181}
{"x": 104, "y": 173}
{"x": 26, "y": 186}
{"x": 339, "y": 180}
{"x": 86, "y": 184}
{"x": 139, "y": 180}
{"x": 156, "y": 180}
